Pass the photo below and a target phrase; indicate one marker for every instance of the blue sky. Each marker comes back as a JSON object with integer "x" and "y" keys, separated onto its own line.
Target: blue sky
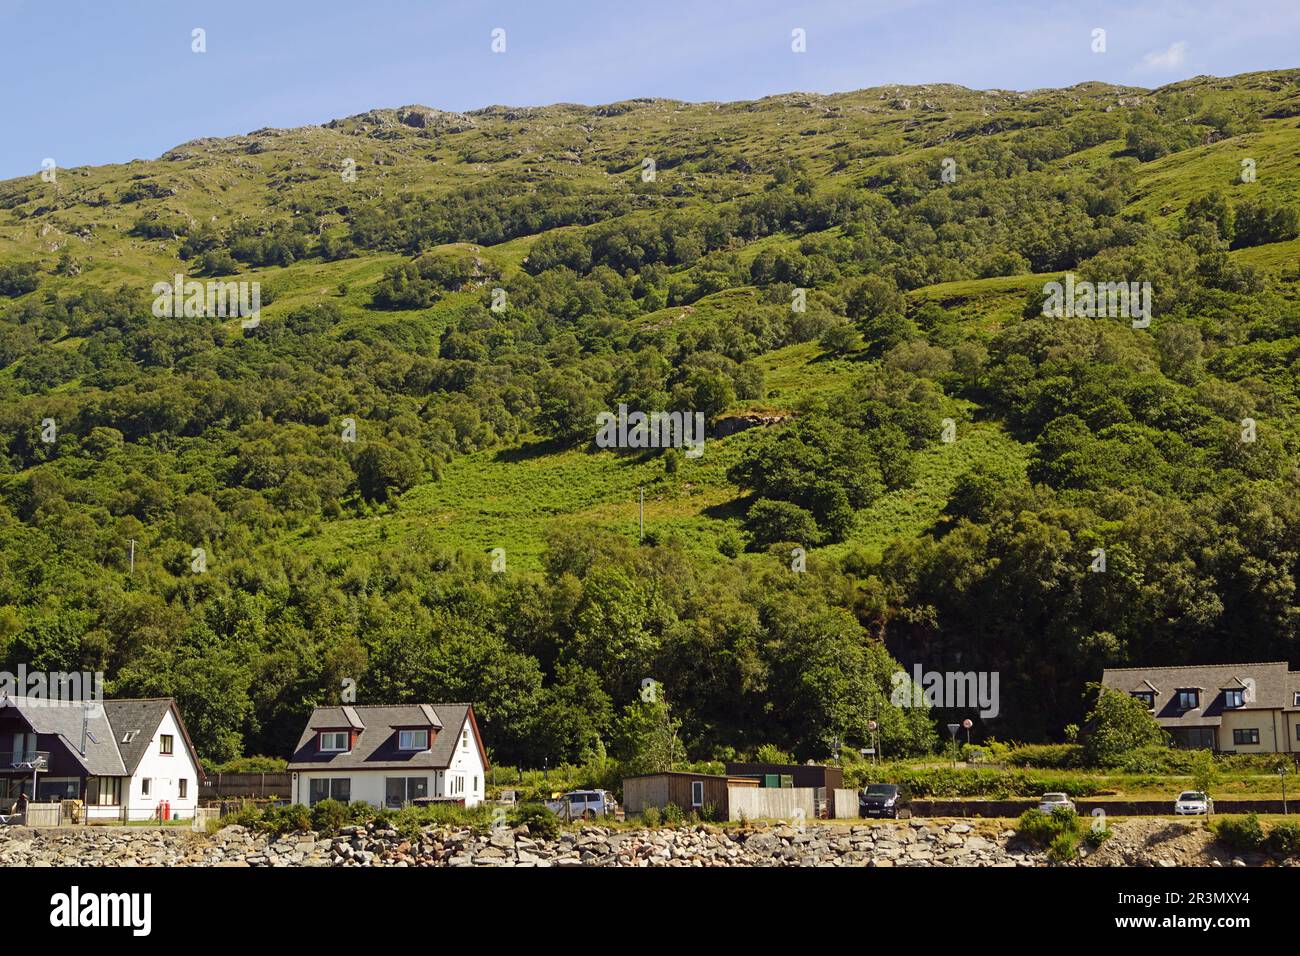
{"x": 99, "y": 82}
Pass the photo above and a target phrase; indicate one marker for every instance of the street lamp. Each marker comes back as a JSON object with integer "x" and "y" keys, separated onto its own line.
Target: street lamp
{"x": 968, "y": 724}
{"x": 952, "y": 729}
{"x": 875, "y": 740}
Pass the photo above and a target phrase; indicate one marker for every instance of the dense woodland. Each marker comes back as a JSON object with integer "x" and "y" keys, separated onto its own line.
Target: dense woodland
{"x": 924, "y": 302}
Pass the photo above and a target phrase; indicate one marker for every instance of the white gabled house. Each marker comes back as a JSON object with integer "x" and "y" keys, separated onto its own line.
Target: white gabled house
{"x": 390, "y": 756}
{"x": 122, "y": 758}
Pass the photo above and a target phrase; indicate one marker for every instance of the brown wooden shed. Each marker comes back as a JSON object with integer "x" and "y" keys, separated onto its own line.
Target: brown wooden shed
{"x": 804, "y": 774}
{"x": 690, "y": 791}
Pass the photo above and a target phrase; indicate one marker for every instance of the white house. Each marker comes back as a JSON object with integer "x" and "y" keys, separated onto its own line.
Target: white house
{"x": 390, "y": 756}
{"x": 123, "y": 758}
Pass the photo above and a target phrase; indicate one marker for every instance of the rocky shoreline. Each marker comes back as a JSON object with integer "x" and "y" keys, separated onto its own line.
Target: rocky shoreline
{"x": 910, "y": 843}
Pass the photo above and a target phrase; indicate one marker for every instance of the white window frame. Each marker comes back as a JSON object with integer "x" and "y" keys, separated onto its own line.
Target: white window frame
{"x": 336, "y": 734}
{"x": 697, "y": 793}
{"x": 169, "y": 741}
{"x": 145, "y": 786}
{"x": 404, "y": 739}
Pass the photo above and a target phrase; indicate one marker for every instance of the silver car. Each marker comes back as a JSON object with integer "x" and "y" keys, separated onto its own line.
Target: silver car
{"x": 1052, "y": 801}
{"x": 1192, "y": 802}
{"x": 584, "y": 805}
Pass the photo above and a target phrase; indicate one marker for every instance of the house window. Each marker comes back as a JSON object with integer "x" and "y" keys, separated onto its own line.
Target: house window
{"x": 1147, "y": 697}
{"x": 1189, "y": 699}
{"x": 399, "y": 791}
{"x": 104, "y": 791}
{"x": 52, "y": 791}
{"x": 330, "y": 788}
{"x": 24, "y": 748}
{"x": 1234, "y": 698}
{"x": 144, "y": 786}
{"x": 464, "y": 739}
{"x": 697, "y": 793}
{"x": 183, "y": 788}
{"x": 1246, "y": 735}
{"x": 165, "y": 743}
{"x": 413, "y": 740}
{"x": 333, "y": 741}
{"x": 1295, "y": 699}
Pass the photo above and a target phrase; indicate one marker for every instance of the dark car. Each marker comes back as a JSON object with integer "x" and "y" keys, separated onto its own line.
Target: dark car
{"x": 881, "y": 800}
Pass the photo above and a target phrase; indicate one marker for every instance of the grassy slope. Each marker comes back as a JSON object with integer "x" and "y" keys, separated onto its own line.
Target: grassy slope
{"x": 509, "y": 498}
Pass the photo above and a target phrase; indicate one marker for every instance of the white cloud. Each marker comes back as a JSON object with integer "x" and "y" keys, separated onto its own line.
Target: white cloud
{"x": 1169, "y": 59}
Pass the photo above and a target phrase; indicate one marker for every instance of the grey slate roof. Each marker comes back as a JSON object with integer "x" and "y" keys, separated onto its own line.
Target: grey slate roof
{"x": 140, "y": 716}
{"x": 102, "y": 758}
{"x": 1271, "y": 680}
{"x": 376, "y": 746}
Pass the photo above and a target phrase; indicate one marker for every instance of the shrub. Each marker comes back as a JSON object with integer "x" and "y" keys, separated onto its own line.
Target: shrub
{"x": 673, "y": 815}
{"x": 1047, "y": 756}
{"x": 995, "y": 784}
{"x": 1063, "y": 847}
{"x": 276, "y": 821}
{"x": 1284, "y": 839}
{"x": 1120, "y": 724}
{"x": 1156, "y": 760}
{"x": 1096, "y": 836}
{"x": 1036, "y": 827}
{"x": 1240, "y": 834}
{"x": 650, "y": 816}
{"x": 541, "y": 822}
{"x": 1058, "y": 831}
{"x": 329, "y": 816}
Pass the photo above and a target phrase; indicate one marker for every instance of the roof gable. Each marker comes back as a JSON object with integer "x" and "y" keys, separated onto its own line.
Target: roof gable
{"x": 1265, "y": 685}
{"x": 375, "y": 745}
{"x": 66, "y": 722}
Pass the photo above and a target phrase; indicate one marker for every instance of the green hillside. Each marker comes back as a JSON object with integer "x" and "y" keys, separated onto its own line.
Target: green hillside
{"x": 848, "y": 288}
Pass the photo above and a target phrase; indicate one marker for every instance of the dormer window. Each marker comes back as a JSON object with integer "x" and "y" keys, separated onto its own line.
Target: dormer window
{"x": 1234, "y": 698}
{"x": 1295, "y": 699}
{"x": 1147, "y": 697}
{"x": 1189, "y": 699}
{"x": 334, "y": 741}
{"x": 412, "y": 740}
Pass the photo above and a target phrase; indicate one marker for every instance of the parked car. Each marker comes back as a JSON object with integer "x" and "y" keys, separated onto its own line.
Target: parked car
{"x": 881, "y": 800}
{"x": 1192, "y": 802}
{"x": 1053, "y": 801}
{"x": 584, "y": 805}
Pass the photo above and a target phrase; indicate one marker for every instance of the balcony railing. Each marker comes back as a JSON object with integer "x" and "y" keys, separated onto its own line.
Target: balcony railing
{"x": 31, "y": 760}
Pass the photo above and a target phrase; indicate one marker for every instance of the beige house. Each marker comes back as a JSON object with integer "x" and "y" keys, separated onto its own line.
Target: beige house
{"x": 1232, "y": 708}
